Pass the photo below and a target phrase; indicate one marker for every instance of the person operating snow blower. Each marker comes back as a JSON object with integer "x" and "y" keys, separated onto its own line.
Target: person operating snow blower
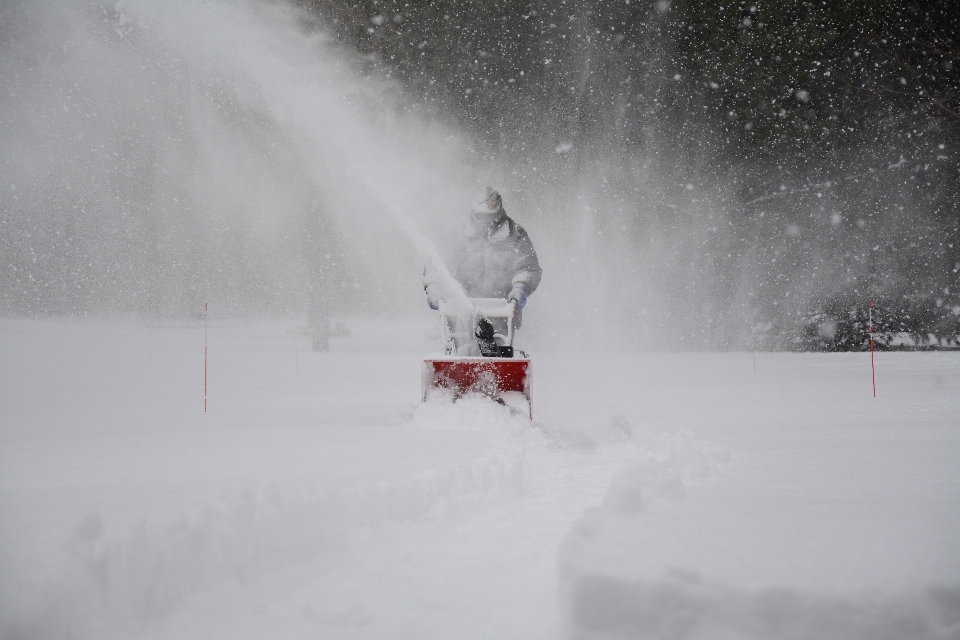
{"x": 495, "y": 259}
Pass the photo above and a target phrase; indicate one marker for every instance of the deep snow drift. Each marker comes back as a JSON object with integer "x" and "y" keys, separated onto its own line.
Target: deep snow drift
{"x": 666, "y": 496}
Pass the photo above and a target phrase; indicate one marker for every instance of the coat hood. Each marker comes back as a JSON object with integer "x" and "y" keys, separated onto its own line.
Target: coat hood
{"x": 487, "y": 202}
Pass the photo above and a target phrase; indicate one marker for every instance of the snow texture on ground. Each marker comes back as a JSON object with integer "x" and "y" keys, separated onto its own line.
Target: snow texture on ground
{"x": 654, "y": 495}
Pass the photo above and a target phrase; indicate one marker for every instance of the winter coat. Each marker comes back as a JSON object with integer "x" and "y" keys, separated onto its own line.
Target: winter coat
{"x": 491, "y": 260}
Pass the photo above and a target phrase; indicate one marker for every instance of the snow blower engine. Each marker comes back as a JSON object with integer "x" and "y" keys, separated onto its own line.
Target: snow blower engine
{"x": 478, "y": 359}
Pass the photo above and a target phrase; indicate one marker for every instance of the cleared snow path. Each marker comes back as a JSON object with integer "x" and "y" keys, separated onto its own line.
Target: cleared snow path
{"x": 317, "y": 498}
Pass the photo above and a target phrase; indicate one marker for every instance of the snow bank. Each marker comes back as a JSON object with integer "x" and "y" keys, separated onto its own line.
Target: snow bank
{"x": 683, "y": 605}
{"x": 608, "y": 591}
{"x": 663, "y": 471}
{"x": 117, "y": 582}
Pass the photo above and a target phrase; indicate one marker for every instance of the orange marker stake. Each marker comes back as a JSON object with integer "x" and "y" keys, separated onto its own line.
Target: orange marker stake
{"x": 873, "y": 371}
{"x": 206, "y": 308}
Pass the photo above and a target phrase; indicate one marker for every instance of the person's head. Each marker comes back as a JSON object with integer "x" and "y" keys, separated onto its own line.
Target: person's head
{"x": 488, "y": 205}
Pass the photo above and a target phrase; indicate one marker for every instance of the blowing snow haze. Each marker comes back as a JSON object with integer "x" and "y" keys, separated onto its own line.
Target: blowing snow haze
{"x": 692, "y": 175}
{"x": 695, "y": 176}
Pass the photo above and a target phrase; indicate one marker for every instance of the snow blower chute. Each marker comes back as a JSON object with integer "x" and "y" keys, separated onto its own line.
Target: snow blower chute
{"x": 476, "y": 358}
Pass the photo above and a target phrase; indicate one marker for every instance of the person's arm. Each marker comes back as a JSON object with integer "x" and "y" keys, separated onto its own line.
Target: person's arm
{"x": 526, "y": 270}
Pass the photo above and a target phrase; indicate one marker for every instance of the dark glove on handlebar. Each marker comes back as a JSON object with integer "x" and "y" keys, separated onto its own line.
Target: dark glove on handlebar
{"x": 518, "y": 294}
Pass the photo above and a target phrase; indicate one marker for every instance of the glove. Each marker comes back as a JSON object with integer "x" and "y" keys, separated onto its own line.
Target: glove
{"x": 519, "y": 295}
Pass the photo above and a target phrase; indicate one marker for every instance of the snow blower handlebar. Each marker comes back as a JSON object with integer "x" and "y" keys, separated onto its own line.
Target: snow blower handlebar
{"x": 458, "y": 311}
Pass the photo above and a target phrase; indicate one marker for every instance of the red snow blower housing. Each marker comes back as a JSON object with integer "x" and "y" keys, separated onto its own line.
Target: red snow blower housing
{"x": 478, "y": 359}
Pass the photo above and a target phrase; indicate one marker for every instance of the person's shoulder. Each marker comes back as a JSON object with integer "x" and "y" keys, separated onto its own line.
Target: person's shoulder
{"x": 517, "y": 230}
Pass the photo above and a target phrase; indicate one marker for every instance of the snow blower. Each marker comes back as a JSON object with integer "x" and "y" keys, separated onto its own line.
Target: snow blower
{"x": 478, "y": 359}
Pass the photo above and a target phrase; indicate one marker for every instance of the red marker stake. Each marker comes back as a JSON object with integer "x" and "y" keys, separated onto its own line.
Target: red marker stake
{"x": 205, "y": 309}
{"x": 873, "y": 371}
{"x": 753, "y": 343}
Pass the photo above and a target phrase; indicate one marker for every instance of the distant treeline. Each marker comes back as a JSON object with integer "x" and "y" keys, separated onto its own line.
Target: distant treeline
{"x": 831, "y": 129}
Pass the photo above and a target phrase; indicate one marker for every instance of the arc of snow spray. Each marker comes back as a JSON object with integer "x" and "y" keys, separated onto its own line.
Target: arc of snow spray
{"x": 425, "y": 245}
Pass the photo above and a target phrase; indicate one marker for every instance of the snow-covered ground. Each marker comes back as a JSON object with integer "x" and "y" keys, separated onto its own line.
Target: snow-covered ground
{"x": 655, "y": 495}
